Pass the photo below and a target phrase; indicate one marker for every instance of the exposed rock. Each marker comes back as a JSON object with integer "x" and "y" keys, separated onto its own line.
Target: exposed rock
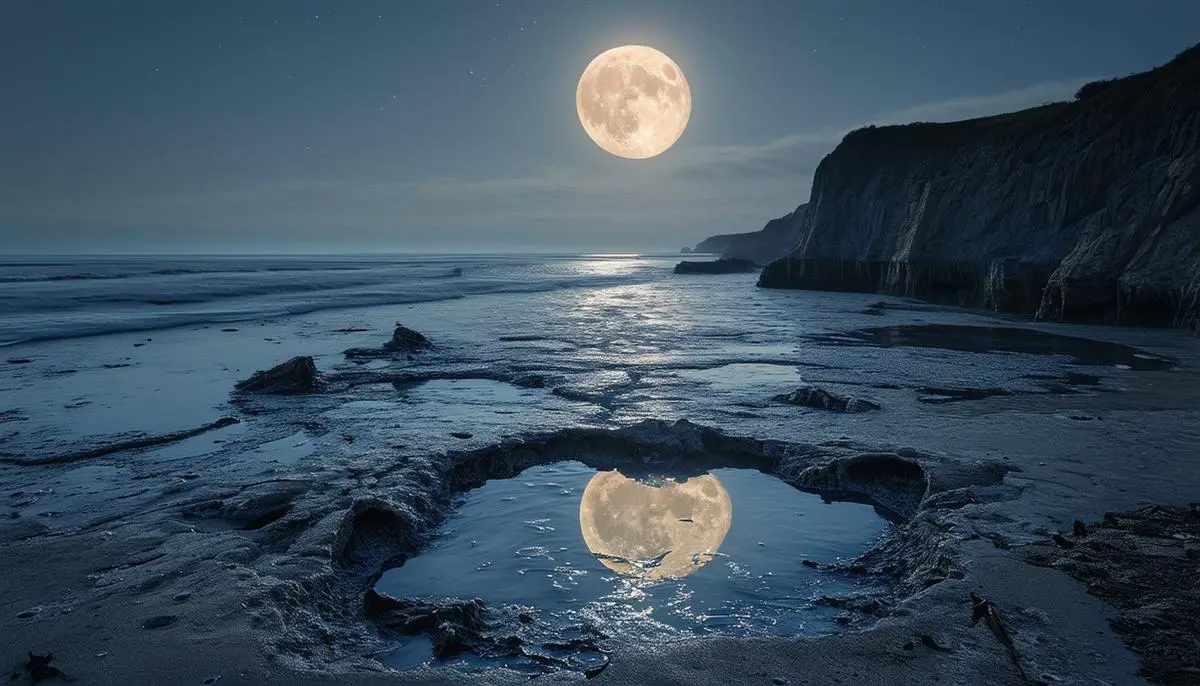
{"x": 1140, "y": 562}
{"x": 896, "y": 483}
{"x": 404, "y": 338}
{"x": 721, "y": 266}
{"x": 459, "y": 626}
{"x": 685, "y": 251}
{"x": 869, "y": 604}
{"x": 297, "y": 375}
{"x": 1085, "y": 210}
{"x": 776, "y": 239}
{"x": 821, "y": 399}
{"x": 455, "y": 626}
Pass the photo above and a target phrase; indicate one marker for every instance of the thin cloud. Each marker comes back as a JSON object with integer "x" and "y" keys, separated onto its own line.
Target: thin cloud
{"x": 717, "y": 185}
{"x": 986, "y": 105}
{"x": 678, "y": 198}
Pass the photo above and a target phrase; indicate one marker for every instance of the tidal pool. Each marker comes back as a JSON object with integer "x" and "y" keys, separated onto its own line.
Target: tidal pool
{"x": 991, "y": 339}
{"x": 640, "y": 557}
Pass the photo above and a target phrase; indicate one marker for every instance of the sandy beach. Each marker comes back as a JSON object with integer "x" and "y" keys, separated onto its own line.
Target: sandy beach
{"x": 242, "y": 554}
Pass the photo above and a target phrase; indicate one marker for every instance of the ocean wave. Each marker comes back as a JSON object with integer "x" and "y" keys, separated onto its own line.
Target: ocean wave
{"x": 176, "y": 271}
{"x": 161, "y": 296}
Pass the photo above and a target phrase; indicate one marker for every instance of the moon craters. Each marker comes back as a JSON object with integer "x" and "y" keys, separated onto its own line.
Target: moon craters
{"x": 633, "y": 101}
{"x": 678, "y": 525}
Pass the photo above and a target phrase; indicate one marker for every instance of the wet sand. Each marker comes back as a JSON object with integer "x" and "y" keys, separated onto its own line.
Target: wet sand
{"x": 233, "y": 553}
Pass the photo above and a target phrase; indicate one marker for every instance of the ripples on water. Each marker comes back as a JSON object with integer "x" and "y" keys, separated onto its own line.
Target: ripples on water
{"x": 519, "y": 542}
{"x": 60, "y": 297}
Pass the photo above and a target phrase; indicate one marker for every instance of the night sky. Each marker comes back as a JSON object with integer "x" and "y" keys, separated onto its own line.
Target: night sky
{"x": 256, "y": 126}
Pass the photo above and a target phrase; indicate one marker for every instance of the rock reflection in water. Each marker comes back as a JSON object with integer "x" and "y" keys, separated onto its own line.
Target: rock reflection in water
{"x": 654, "y": 529}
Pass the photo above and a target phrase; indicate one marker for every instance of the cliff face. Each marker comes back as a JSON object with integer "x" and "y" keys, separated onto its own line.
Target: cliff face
{"x": 1087, "y": 210}
{"x": 778, "y": 238}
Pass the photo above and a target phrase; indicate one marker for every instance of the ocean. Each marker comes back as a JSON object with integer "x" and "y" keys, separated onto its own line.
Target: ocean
{"x": 61, "y": 297}
{"x": 617, "y": 338}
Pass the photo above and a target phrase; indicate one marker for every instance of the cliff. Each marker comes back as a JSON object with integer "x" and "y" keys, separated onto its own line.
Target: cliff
{"x": 1086, "y": 210}
{"x": 773, "y": 241}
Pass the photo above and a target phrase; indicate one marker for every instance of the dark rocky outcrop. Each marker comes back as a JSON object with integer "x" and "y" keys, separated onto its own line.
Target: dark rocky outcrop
{"x": 685, "y": 250}
{"x": 455, "y": 626}
{"x": 1086, "y": 210}
{"x": 1144, "y": 563}
{"x": 895, "y": 483}
{"x": 821, "y": 399}
{"x": 297, "y": 375}
{"x": 404, "y": 340}
{"x": 721, "y": 266}
{"x": 776, "y": 239}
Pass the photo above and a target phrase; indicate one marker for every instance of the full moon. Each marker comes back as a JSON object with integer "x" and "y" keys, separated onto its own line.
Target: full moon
{"x": 633, "y": 101}
{"x": 654, "y": 531}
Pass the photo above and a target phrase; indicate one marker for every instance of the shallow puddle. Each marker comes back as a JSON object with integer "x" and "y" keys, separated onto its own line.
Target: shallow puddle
{"x": 645, "y": 560}
{"x": 985, "y": 339}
